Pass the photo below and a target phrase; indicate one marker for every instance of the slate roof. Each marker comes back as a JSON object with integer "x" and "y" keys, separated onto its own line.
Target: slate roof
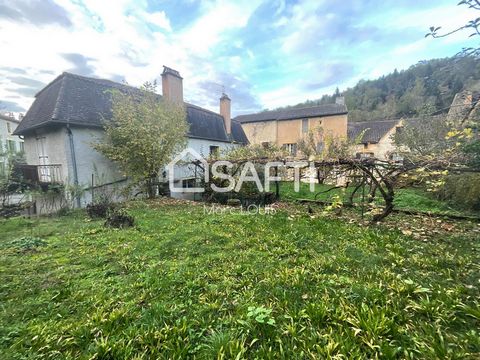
{"x": 289, "y": 114}
{"x": 374, "y": 130}
{"x": 83, "y": 101}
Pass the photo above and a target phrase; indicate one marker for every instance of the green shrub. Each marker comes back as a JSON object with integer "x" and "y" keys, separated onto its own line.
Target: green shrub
{"x": 119, "y": 219}
{"x": 100, "y": 209}
{"x": 463, "y": 191}
{"x": 26, "y": 243}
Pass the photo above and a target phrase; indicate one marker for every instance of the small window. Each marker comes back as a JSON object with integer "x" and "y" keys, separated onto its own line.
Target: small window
{"x": 291, "y": 148}
{"x": 305, "y": 126}
{"x": 320, "y": 147}
{"x": 395, "y": 157}
{"x": 22, "y": 146}
{"x": 11, "y": 146}
{"x": 188, "y": 183}
{"x": 365, "y": 155}
{"x": 214, "y": 150}
{"x": 9, "y": 128}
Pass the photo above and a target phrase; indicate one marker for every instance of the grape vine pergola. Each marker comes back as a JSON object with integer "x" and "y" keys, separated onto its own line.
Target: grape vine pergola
{"x": 371, "y": 177}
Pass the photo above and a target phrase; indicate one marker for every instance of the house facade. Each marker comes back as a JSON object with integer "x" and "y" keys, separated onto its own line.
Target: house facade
{"x": 285, "y": 128}
{"x": 67, "y": 116}
{"x": 9, "y": 143}
{"x": 374, "y": 138}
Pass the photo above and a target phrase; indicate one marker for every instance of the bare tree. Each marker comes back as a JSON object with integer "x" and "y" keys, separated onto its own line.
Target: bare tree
{"x": 473, "y": 26}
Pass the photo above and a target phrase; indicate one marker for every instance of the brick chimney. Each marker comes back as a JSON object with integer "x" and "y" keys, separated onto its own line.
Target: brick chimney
{"x": 225, "y": 111}
{"x": 172, "y": 85}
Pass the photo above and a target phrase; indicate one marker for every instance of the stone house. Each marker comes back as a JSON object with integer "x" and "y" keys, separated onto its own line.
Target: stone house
{"x": 377, "y": 139}
{"x": 67, "y": 116}
{"x": 8, "y": 141}
{"x": 285, "y": 128}
{"x": 465, "y": 108}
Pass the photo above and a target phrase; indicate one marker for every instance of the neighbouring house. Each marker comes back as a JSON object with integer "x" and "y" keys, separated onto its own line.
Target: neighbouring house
{"x": 374, "y": 139}
{"x": 9, "y": 143}
{"x": 465, "y": 108}
{"x": 67, "y": 116}
{"x": 285, "y": 128}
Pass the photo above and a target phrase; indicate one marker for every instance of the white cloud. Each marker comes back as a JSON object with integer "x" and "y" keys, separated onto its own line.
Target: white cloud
{"x": 448, "y": 17}
{"x": 160, "y": 19}
{"x": 209, "y": 29}
{"x": 115, "y": 36}
{"x": 122, "y": 38}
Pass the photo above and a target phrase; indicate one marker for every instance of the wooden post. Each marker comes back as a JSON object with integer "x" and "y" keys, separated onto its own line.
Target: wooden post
{"x": 93, "y": 190}
{"x": 363, "y": 194}
{"x": 277, "y": 187}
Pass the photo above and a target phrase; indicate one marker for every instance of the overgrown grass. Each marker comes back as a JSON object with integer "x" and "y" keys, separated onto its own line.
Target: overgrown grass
{"x": 406, "y": 199}
{"x": 186, "y": 284}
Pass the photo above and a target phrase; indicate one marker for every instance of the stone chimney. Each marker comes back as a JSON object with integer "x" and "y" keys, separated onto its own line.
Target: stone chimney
{"x": 172, "y": 85}
{"x": 340, "y": 100}
{"x": 225, "y": 111}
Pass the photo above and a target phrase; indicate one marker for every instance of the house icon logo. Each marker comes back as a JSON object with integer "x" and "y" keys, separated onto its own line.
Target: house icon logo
{"x": 185, "y": 166}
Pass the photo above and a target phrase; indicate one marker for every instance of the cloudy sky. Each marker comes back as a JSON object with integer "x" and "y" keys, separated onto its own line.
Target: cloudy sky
{"x": 266, "y": 53}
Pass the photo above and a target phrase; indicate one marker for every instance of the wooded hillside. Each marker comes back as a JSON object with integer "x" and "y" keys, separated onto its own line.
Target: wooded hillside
{"x": 426, "y": 87}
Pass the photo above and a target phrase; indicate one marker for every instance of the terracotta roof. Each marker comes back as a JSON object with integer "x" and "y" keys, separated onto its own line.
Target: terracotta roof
{"x": 374, "y": 130}
{"x": 83, "y": 101}
{"x": 295, "y": 113}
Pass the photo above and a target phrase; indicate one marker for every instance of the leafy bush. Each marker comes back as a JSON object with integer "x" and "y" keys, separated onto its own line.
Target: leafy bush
{"x": 119, "y": 219}
{"x": 248, "y": 194}
{"x": 261, "y": 315}
{"x": 100, "y": 209}
{"x": 26, "y": 243}
{"x": 463, "y": 191}
{"x": 64, "y": 211}
{"x": 10, "y": 210}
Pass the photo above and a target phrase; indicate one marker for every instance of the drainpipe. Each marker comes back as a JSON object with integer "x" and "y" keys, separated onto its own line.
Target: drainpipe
{"x": 74, "y": 162}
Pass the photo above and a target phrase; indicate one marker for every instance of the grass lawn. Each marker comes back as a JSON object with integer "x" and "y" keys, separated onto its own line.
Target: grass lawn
{"x": 406, "y": 199}
{"x": 182, "y": 284}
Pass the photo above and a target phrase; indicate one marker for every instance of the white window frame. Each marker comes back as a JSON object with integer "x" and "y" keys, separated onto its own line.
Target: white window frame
{"x": 43, "y": 160}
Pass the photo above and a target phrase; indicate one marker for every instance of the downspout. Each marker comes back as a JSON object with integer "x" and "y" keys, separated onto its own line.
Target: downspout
{"x": 74, "y": 162}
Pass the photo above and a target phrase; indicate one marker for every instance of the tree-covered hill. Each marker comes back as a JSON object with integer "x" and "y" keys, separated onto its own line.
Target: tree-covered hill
{"x": 428, "y": 86}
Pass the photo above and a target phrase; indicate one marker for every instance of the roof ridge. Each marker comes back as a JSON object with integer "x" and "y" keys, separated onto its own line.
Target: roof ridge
{"x": 50, "y": 83}
{"x": 312, "y": 107}
{"x": 57, "y": 101}
{"x": 292, "y": 109}
{"x": 99, "y": 81}
{"x": 201, "y": 108}
{"x": 373, "y": 121}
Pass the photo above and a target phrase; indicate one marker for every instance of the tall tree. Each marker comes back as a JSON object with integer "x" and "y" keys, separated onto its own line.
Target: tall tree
{"x": 403, "y": 93}
{"x": 145, "y": 132}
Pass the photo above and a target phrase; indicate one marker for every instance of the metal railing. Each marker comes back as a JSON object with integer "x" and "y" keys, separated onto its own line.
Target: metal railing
{"x": 43, "y": 174}
{"x": 51, "y": 174}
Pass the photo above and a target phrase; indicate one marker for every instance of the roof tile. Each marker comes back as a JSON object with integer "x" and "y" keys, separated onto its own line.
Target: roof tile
{"x": 78, "y": 100}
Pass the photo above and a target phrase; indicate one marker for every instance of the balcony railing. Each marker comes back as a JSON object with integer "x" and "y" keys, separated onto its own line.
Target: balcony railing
{"x": 41, "y": 174}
